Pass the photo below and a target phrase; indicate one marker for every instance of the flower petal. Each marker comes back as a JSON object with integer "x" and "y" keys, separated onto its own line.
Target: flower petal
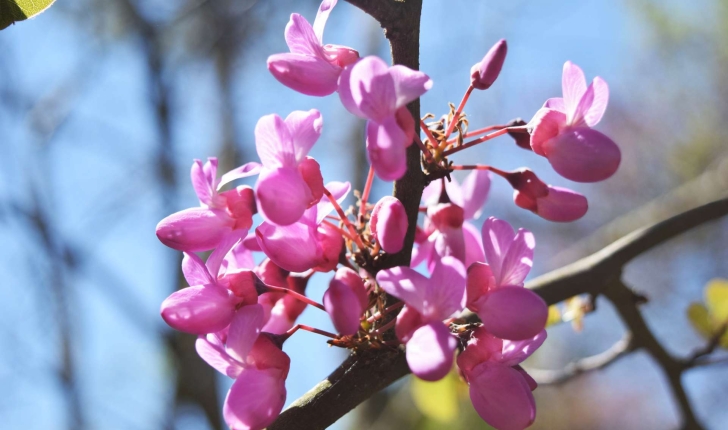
{"x": 513, "y": 313}
{"x": 562, "y": 205}
{"x": 305, "y": 128}
{"x": 497, "y": 237}
{"x": 195, "y": 271}
{"x": 324, "y": 207}
{"x": 244, "y": 330}
{"x": 322, "y": 16}
{"x": 301, "y": 38}
{"x": 583, "y": 155}
{"x": 214, "y": 261}
{"x": 274, "y": 143}
{"x": 573, "y": 86}
{"x": 202, "y": 186}
{"x": 408, "y": 84}
{"x": 247, "y": 169}
{"x": 306, "y": 74}
{"x": 478, "y": 282}
{"x": 217, "y": 358}
{"x": 387, "y": 149}
{"x": 446, "y": 290}
{"x": 518, "y": 260}
{"x": 255, "y": 399}
{"x": 283, "y": 195}
{"x": 194, "y": 229}
{"x": 501, "y": 396}
{"x": 514, "y": 352}
{"x": 555, "y": 103}
{"x": 293, "y": 247}
{"x": 430, "y": 351}
{"x": 367, "y": 89}
{"x": 474, "y": 191}
{"x": 343, "y": 306}
{"x": 599, "y": 105}
{"x": 473, "y": 244}
{"x": 406, "y": 284}
{"x": 545, "y": 124}
{"x": 199, "y": 309}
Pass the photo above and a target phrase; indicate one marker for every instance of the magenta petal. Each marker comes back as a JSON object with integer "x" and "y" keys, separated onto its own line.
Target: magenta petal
{"x": 532, "y": 384}
{"x": 308, "y": 75}
{"x": 200, "y": 183}
{"x": 199, "y": 309}
{"x": 473, "y": 244}
{"x": 408, "y": 321}
{"x": 389, "y": 224}
{"x": 555, "y": 103}
{"x": 518, "y": 260}
{"x": 301, "y": 38}
{"x": 247, "y": 169}
{"x": 407, "y": 285}
{"x": 274, "y": 143}
{"x": 501, "y": 396}
{"x": 562, "y": 205}
{"x": 545, "y": 124}
{"x": 599, "y": 105}
{"x": 478, "y": 282}
{"x": 214, "y": 261}
{"x": 367, "y": 89}
{"x": 446, "y": 290}
{"x": 195, "y": 271}
{"x": 514, "y": 313}
{"x": 583, "y": 155}
{"x": 339, "y": 190}
{"x": 573, "y": 86}
{"x": 474, "y": 190}
{"x": 293, "y": 248}
{"x": 194, "y": 229}
{"x": 343, "y": 306}
{"x": 497, "y": 237}
{"x": 515, "y": 351}
{"x": 255, "y": 399}
{"x": 283, "y": 195}
{"x": 430, "y": 351}
{"x": 305, "y": 128}
{"x": 576, "y": 118}
{"x": 322, "y": 16}
{"x": 387, "y": 149}
{"x": 244, "y": 330}
{"x": 408, "y": 84}
{"x": 214, "y": 354}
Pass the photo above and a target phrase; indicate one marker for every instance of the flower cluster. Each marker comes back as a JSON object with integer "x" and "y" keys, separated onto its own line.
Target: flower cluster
{"x": 243, "y": 312}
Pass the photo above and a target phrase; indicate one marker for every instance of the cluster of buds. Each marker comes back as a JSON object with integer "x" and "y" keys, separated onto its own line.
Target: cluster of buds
{"x": 243, "y": 312}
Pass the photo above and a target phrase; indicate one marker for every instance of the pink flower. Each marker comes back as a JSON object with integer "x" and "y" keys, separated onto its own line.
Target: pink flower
{"x": 495, "y": 290}
{"x": 220, "y": 214}
{"x": 430, "y": 345}
{"x": 309, "y": 242}
{"x": 389, "y": 224}
{"x": 549, "y": 202}
{"x": 499, "y": 388}
{"x": 345, "y": 300}
{"x": 484, "y": 73}
{"x": 285, "y": 308}
{"x": 257, "y": 364}
{"x": 311, "y": 67}
{"x": 372, "y": 90}
{"x": 446, "y": 230}
{"x": 560, "y": 131}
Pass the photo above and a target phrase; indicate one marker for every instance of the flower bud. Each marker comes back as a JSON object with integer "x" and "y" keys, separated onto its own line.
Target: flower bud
{"x": 389, "y": 224}
{"x": 522, "y": 138}
{"x": 484, "y": 73}
{"x": 551, "y": 203}
{"x": 340, "y": 56}
{"x": 345, "y": 301}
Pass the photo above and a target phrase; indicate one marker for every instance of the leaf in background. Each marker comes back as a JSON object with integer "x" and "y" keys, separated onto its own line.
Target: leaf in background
{"x": 554, "y": 316}
{"x": 698, "y": 316}
{"x": 439, "y": 400}
{"x": 716, "y": 299}
{"x": 12, "y": 11}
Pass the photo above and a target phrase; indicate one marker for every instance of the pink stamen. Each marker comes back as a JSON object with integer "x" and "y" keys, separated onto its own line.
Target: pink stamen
{"x": 297, "y": 327}
{"x": 344, "y": 218}
{"x": 485, "y": 138}
{"x": 429, "y": 134}
{"x": 379, "y": 315}
{"x": 423, "y": 148}
{"x": 367, "y": 190}
{"x": 296, "y": 295}
{"x": 478, "y": 132}
{"x": 459, "y": 110}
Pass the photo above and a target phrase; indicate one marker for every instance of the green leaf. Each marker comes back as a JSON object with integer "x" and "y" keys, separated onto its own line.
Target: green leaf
{"x": 12, "y": 11}
{"x": 698, "y": 315}
{"x": 716, "y": 298}
{"x": 439, "y": 400}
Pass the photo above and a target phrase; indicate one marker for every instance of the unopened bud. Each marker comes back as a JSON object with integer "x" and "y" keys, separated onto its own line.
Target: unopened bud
{"x": 484, "y": 73}
{"x": 345, "y": 301}
{"x": 522, "y": 137}
{"x": 389, "y": 224}
{"x": 550, "y": 203}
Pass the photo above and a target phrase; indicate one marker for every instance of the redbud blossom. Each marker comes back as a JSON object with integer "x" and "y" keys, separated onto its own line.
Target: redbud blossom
{"x": 389, "y": 224}
{"x": 484, "y": 73}
{"x": 499, "y": 388}
{"x": 345, "y": 300}
{"x": 549, "y": 202}
{"x": 560, "y": 131}
{"x": 311, "y": 68}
